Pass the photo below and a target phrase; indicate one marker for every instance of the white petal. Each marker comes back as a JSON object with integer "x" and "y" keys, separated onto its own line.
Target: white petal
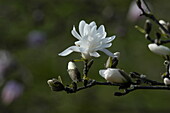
{"x": 75, "y": 34}
{"x": 78, "y": 43}
{"x": 93, "y": 30}
{"x": 102, "y": 72}
{"x": 101, "y": 29}
{"x": 92, "y": 24}
{"x": 81, "y": 27}
{"x": 106, "y": 45}
{"x": 94, "y": 54}
{"x": 108, "y": 39}
{"x": 161, "y": 50}
{"x": 70, "y": 50}
{"x": 86, "y": 30}
{"x": 107, "y": 52}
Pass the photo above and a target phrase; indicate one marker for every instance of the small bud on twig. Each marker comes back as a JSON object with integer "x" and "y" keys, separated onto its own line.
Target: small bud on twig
{"x": 73, "y": 72}
{"x": 55, "y": 85}
{"x": 148, "y": 26}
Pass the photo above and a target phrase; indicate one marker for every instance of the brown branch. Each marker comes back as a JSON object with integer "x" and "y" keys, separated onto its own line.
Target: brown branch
{"x": 151, "y": 16}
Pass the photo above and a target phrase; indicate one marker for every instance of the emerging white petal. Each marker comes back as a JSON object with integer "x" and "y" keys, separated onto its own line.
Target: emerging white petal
{"x": 113, "y": 75}
{"x": 166, "y": 81}
{"x": 159, "y": 49}
{"x": 71, "y": 65}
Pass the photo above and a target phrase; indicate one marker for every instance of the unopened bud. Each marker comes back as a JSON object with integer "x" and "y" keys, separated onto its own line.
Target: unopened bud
{"x": 162, "y": 22}
{"x": 108, "y": 62}
{"x": 117, "y": 55}
{"x": 73, "y": 72}
{"x": 55, "y": 85}
{"x": 168, "y": 26}
{"x": 112, "y": 61}
{"x": 148, "y": 26}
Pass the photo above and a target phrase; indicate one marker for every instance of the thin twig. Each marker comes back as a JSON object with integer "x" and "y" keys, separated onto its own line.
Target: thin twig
{"x": 152, "y": 17}
{"x": 126, "y": 90}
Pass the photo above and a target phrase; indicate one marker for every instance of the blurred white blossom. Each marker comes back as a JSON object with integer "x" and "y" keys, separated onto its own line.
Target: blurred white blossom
{"x": 90, "y": 40}
{"x": 134, "y": 12}
{"x": 11, "y": 91}
{"x": 5, "y": 62}
{"x": 36, "y": 38}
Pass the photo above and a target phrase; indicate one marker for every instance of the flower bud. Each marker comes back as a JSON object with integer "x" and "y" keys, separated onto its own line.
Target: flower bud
{"x": 166, "y": 81}
{"x": 148, "y": 26}
{"x": 55, "y": 85}
{"x": 168, "y": 26}
{"x": 115, "y": 75}
{"x": 112, "y": 62}
{"x": 73, "y": 72}
{"x": 159, "y": 49}
{"x": 164, "y": 24}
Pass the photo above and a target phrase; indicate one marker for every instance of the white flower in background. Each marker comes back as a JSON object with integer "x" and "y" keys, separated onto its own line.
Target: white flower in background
{"x": 159, "y": 49}
{"x": 5, "y": 62}
{"x": 11, "y": 91}
{"x": 90, "y": 40}
{"x": 134, "y": 12}
{"x": 166, "y": 81}
{"x": 115, "y": 75}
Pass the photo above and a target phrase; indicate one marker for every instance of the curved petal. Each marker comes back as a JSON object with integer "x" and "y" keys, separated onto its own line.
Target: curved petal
{"x": 69, "y": 50}
{"x": 75, "y": 34}
{"x": 102, "y": 72}
{"x": 78, "y": 43}
{"x": 101, "y": 29}
{"x": 86, "y": 30}
{"x": 106, "y": 45}
{"x": 94, "y": 54}
{"x": 93, "y": 30}
{"x": 92, "y": 24}
{"x": 108, "y": 39}
{"x": 81, "y": 27}
{"x": 107, "y": 52}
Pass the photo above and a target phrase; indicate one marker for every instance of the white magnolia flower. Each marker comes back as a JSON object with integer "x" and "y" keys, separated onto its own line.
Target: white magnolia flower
{"x": 115, "y": 75}
{"x": 166, "y": 81}
{"x": 90, "y": 40}
{"x": 159, "y": 49}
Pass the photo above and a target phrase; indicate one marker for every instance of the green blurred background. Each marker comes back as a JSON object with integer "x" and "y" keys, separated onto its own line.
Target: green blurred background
{"x": 52, "y": 20}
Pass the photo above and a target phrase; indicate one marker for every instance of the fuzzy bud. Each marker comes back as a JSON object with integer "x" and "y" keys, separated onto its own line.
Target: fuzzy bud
{"x": 55, "y": 85}
{"x": 73, "y": 72}
{"x": 148, "y": 26}
{"x": 166, "y": 81}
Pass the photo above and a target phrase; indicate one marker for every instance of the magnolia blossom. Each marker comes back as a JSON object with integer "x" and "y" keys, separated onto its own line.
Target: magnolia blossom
{"x": 159, "y": 49}
{"x": 166, "y": 81}
{"x": 114, "y": 75}
{"x": 90, "y": 40}
{"x": 11, "y": 91}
